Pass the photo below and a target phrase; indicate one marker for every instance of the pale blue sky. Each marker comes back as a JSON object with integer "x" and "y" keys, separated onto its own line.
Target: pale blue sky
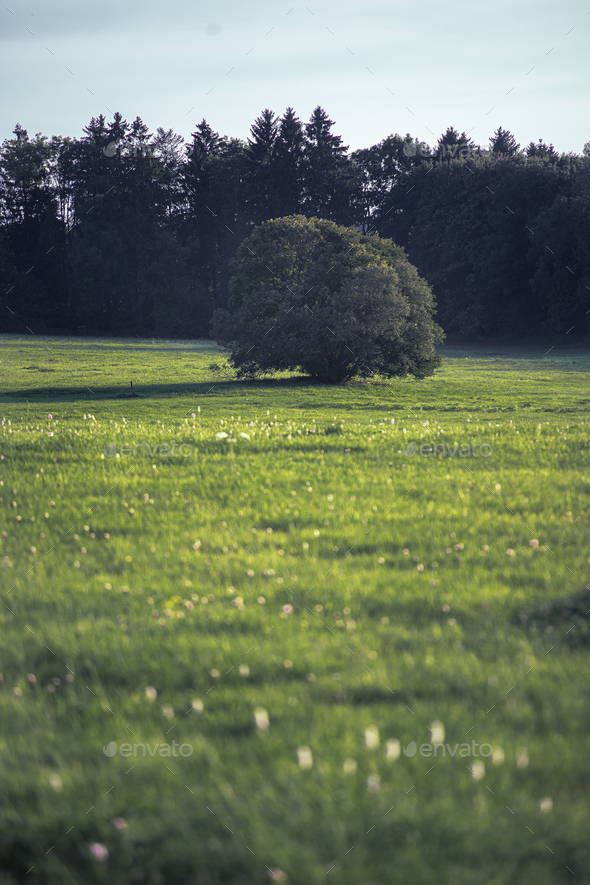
{"x": 447, "y": 63}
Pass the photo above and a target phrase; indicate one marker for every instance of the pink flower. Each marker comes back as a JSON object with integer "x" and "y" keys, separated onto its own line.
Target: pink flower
{"x": 50, "y": 433}
{"x": 119, "y": 823}
{"x": 50, "y": 417}
{"x": 510, "y": 552}
{"x": 277, "y": 875}
{"x": 287, "y": 608}
{"x": 534, "y": 543}
{"x": 32, "y": 678}
{"x": 189, "y": 605}
{"x": 99, "y": 851}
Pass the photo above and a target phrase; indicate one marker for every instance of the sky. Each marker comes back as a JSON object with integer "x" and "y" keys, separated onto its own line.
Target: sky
{"x": 377, "y": 67}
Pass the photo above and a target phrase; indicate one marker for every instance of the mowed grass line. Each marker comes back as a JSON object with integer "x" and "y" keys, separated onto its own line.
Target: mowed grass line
{"x": 406, "y": 611}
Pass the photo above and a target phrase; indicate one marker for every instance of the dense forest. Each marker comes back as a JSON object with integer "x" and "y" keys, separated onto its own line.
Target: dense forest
{"x": 130, "y": 233}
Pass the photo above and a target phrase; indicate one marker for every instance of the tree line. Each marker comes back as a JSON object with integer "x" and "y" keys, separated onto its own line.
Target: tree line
{"x": 131, "y": 233}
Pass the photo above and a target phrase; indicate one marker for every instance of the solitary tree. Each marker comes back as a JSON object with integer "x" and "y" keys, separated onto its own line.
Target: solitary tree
{"x": 309, "y": 295}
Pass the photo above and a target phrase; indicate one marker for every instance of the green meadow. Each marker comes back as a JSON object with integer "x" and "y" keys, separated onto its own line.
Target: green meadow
{"x": 278, "y": 631}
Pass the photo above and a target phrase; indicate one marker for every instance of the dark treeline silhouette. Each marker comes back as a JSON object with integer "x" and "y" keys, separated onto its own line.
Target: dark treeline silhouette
{"x": 131, "y": 233}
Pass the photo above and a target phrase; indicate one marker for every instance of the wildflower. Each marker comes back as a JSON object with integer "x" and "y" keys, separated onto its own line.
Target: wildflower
{"x": 244, "y": 670}
{"x": 168, "y": 712}
{"x": 459, "y": 546}
{"x": 349, "y": 766}
{"x": 287, "y": 608}
{"x": 198, "y": 705}
{"x": 214, "y": 674}
{"x": 546, "y": 804}
{"x": 510, "y": 552}
{"x": 277, "y": 875}
{"x": 420, "y": 568}
{"x": 221, "y": 435}
{"x": 304, "y": 757}
{"x": 522, "y": 758}
{"x": 373, "y": 783}
{"x": 261, "y": 718}
{"x": 287, "y": 664}
{"x": 50, "y": 417}
{"x": 119, "y": 823}
{"x": 372, "y": 737}
{"x": 498, "y": 755}
{"x": 56, "y": 782}
{"x": 99, "y": 851}
{"x": 437, "y": 732}
{"x": 393, "y": 749}
{"x": 534, "y": 543}
{"x": 151, "y": 692}
{"x": 478, "y": 770}
{"x": 32, "y": 678}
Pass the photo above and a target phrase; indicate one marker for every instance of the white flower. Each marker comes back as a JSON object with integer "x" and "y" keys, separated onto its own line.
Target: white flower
{"x": 244, "y": 670}
{"x": 393, "y": 749}
{"x": 478, "y": 770}
{"x": 221, "y": 435}
{"x": 198, "y": 705}
{"x": 546, "y": 804}
{"x": 498, "y": 756}
{"x": 522, "y": 758}
{"x": 349, "y": 766}
{"x": 437, "y": 732}
{"x": 304, "y": 757}
{"x": 372, "y": 737}
{"x": 373, "y": 783}
{"x": 56, "y": 782}
{"x": 245, "y": 435}
{"x": 261, "y": 718}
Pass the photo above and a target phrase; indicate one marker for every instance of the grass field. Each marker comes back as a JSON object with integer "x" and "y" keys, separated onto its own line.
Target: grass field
{"x": 301, "y": 596}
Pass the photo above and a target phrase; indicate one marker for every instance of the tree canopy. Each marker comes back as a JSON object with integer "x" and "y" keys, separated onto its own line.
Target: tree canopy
{"x": 310, "y": 295}
{"x": 125, "y": 231}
